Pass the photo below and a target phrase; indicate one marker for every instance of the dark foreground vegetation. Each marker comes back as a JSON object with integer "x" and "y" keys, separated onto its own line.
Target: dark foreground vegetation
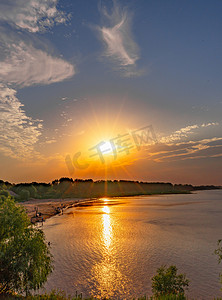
{"x": 25, "y": 258}
{"x": 26, "y": 261}
{"x": 79, "y": 188}
{"x": 58, "y": 295}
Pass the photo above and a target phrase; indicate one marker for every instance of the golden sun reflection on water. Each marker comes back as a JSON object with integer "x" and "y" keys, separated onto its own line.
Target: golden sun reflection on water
{"x": 106, "y": 209}
{"x": 107, "y": 228}
{"x": 106, "y": 272}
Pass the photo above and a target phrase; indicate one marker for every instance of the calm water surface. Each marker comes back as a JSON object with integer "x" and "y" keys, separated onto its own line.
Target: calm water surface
{"x": 112, "y": 249}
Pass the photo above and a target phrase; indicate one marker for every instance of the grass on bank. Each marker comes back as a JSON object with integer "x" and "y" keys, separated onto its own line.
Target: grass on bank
{"x": 60, "y": 295}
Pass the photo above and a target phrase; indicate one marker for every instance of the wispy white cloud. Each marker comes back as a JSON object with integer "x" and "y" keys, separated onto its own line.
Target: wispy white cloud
{"x": 209, "y": 124}
{"x": 178, "y": 134}
{"x": 183, "y": 145}
{"x": 185, "y": 132}
{"x": 180, "y": 146}
{"x": 24, "y": 62}
{"x": 24, "y": 65}
{"x": 19, "y": 133}
{"x": 118, "y": 39}
{"x": 50, "y": 141}
{"x": 204, "y": 148}
{"x": 31, "y": 15}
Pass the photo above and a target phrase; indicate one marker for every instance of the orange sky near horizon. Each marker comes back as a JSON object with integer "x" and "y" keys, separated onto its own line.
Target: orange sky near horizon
{"x": 99, "y": 76}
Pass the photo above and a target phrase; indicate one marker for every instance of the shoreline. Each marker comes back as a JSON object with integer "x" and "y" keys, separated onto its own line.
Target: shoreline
{"x": 39, "y": 210}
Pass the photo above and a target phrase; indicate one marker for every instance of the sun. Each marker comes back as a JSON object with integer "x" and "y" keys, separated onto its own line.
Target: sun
{"x": 106, "y": 147}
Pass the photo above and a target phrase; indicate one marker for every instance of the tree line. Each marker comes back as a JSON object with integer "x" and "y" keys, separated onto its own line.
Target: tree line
{"x": 86, "y": 188}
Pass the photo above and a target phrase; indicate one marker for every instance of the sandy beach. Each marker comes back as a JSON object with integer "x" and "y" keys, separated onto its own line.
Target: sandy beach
{"x": 46, "y": 208}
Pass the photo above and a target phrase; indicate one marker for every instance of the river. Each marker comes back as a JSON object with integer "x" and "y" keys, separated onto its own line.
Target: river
{"x": 113, "y": 248}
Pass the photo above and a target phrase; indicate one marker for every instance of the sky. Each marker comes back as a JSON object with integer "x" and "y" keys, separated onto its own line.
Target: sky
{"x": 105, "y": 89}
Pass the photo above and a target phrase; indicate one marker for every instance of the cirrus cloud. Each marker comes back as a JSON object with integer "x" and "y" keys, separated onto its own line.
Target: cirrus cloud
{"x": 118, "y": 39}
{"x": 19, "y": 132}
{"x": 31, "y": 15}
{"x": 24, "y": 65}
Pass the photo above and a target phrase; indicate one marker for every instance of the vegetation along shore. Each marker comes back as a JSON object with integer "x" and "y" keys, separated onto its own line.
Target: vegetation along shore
{"x": 43, "y": 200}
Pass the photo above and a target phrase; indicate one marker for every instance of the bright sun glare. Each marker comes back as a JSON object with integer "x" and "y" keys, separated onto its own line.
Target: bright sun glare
{"x": 106, "y": 148}
{"x": 106, "y": 210}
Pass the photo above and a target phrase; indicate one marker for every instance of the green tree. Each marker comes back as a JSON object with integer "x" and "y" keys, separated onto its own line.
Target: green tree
{"x": 168, "y": 282}
{"x": 24, "y": 195}
{"x": 32, "y": 190}
{"x": 25, "y": 259}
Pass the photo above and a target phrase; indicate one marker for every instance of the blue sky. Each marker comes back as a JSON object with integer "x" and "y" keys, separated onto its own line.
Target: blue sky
{"x": 72, "y": 67}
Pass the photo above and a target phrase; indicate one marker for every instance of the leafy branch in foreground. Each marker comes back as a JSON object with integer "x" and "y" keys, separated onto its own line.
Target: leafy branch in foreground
{"x": 168, "y": 282}
{"x": 25, "y": 259}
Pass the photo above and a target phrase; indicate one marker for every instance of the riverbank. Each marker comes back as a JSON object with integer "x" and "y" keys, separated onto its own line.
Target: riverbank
{"x": 39, "y": 210}
{"x": 42, "y": 209}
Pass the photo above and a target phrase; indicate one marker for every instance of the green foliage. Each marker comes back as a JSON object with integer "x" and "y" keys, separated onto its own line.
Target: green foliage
{"x": 51, "y": 193}
{"x": 218, "y": 252}
{"x": 32, "y": 190}
{"x": 4, "y": 193}
{"x": 169, "y": 297}
{"x": 3, "y": 198}
{"x": 25, "y": 260}
{"x": 24, "y": 195}
{"x": 3, "y": 186}
{"x": 168, "y": 282}
{"x": 54, "y": 295}
{"x": 80, "y": 188}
